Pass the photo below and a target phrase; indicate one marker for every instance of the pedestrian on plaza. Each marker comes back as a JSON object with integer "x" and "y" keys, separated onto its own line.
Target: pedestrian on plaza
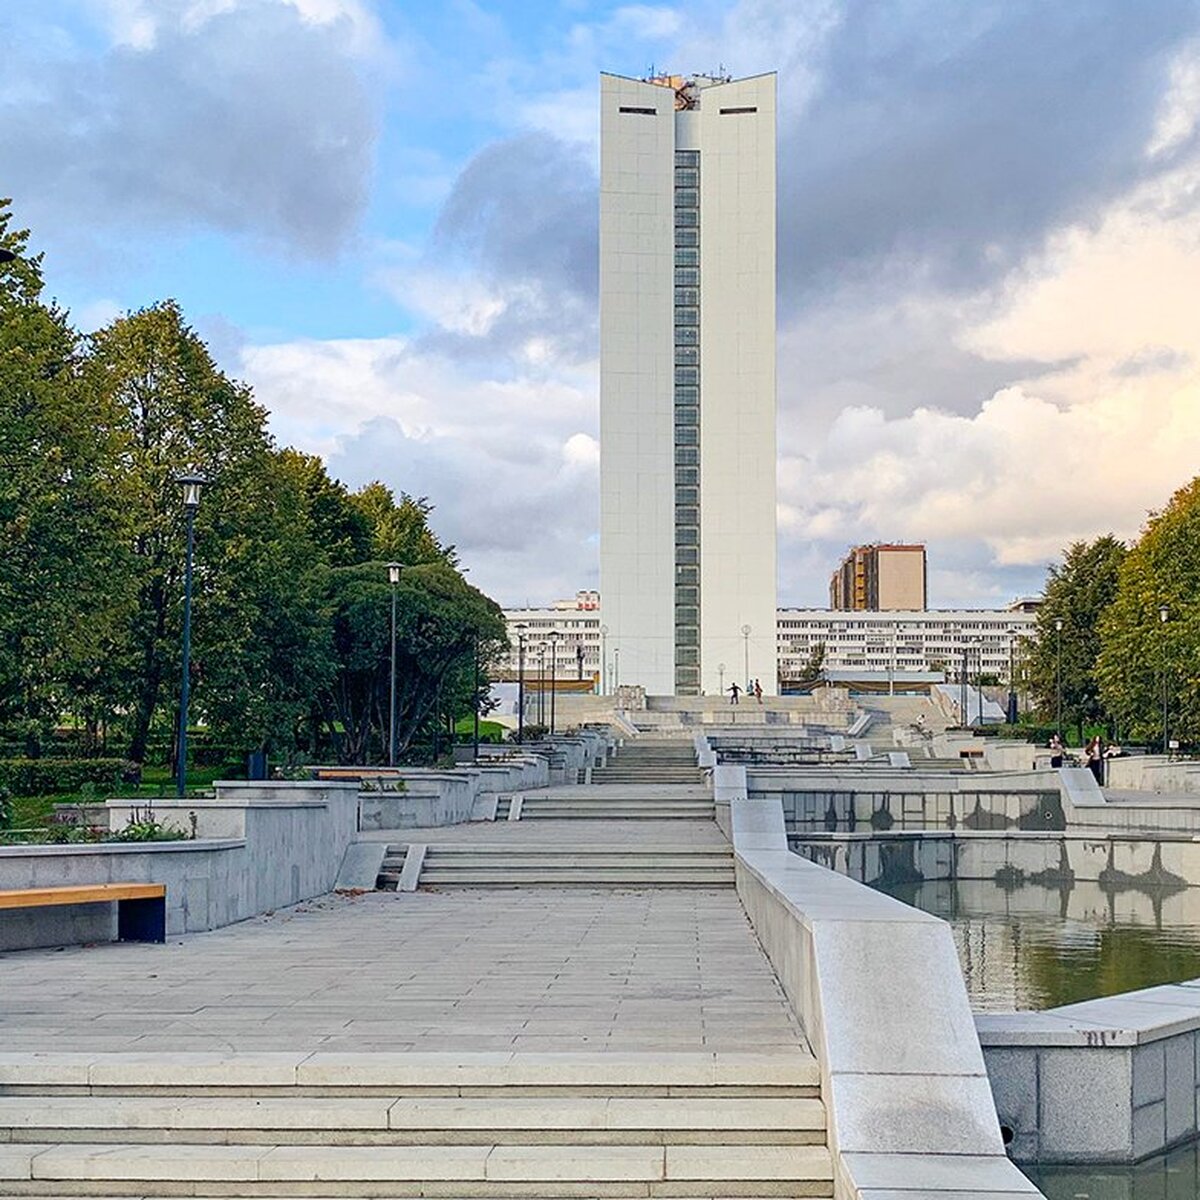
{"x": 734, "y": 692}
{"x": 758, "y": 691}
{"x": 1056, "y": 751}
{"x": 1095, "y": 758}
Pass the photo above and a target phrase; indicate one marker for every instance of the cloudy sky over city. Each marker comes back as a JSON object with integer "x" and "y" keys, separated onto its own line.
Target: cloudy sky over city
{"x": 383, "y": 215}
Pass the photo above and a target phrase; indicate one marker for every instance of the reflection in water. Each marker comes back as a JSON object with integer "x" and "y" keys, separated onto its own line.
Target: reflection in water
{"x": 1174, "y": 1176}
{"x": 1028, "y": 946}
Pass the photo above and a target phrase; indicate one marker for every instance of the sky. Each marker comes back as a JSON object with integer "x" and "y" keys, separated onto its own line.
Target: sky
{"x": 383, "y": 216}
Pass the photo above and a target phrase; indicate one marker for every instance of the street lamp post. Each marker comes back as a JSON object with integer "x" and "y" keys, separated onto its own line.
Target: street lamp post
{"x": 721, "y": 678}
{"x": 1012, "y": 715}
{"x": 475, "y": 698}
{"x": 604, "y": 660}
{"x": 962, "y": 688}
{"x": 979, "y": 679}
{"x": 616, "y": 679}
{"x": 554, "y": 638}
{"x": 191, "y": 484}
{"x": 521, "y": 682}
{"x": 746, "y": 652}
{"x": 1164, "y": 614}
{"x": 393, "y": 570}
{"x": 1058, "y": 628}
{"x": 579, "y": 659}
{"x": 541, "y": 683}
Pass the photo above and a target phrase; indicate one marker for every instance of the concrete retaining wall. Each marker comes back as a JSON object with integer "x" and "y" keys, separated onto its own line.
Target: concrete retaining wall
{"x": 878, "y": 989}
{"x": 1055, "y": 860}
{"x": 1106, "y": 1081}
{"x": 1154, "y": 773}
{"x": 884, "y": 799}
{"x": 260, "y": 846}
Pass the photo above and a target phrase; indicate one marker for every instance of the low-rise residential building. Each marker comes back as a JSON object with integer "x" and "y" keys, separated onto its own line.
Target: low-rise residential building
{"x": 901, "y": 643}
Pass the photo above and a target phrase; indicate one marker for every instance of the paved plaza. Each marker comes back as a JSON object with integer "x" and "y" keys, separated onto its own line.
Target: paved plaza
{"x": 539, "y": 970}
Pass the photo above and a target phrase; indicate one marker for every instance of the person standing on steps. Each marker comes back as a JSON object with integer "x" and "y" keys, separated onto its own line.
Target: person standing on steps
{"x": 734, "y": 692}
{"x": 1056, "y": 751}
{"x": 758, "y": 691}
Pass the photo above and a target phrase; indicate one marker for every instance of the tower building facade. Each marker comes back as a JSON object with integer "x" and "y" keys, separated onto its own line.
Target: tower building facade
{"x": 687, "y": 379}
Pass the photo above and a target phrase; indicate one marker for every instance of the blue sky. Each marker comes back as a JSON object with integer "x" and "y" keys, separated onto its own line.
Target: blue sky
{"x": 382, "y": 215}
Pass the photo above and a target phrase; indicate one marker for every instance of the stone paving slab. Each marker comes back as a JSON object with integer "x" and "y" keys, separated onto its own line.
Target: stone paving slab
{"x": 548, "y": 971}
{"x": 565, "y": 835}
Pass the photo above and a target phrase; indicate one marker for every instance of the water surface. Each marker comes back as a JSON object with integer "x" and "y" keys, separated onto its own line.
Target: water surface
{"x": 1031, "y": 947}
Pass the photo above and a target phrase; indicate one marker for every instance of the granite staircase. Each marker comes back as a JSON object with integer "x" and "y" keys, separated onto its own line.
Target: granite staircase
{"x": 609, "y": 804}
{"x": 646, "y": 761}
{"x": 433, "y": 1125}
{"x": 465, "y": 864}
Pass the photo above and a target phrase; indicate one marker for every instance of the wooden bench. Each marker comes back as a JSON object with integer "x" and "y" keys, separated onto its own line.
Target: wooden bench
{"x": 141, "y": 907}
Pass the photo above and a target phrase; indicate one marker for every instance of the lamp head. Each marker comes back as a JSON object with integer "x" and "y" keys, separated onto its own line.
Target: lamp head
{"x": 1058, "y": 625}
{"x": 1163, "y": 613}
{"x": 393, "y": 570}
{"x": 191, "y": 483}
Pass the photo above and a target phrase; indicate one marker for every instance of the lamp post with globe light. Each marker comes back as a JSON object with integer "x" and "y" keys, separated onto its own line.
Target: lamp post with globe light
{"x": 1164, "y": 614}
{"x": 555, "y": 635}
{"x": 393, "y": 570}
{"x": 191, "y": 484}
{"x": 1058, "y": 628}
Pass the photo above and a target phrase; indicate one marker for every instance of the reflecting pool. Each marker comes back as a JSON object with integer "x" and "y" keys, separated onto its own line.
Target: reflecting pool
{"x": 1174, "y": 1176}
{"x": 1028, "y": 947}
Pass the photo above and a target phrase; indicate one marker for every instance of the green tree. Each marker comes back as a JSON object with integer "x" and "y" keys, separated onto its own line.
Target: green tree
{"x": 439, "y": 617}
{"x": 60, "y": 517}
{"x": 176, "y": 411}
{"x": 339, "y": 526}
{"x": 1077, "y": 593}
{"x": 400, "y": 532}
{"x": 1138, "y": 649}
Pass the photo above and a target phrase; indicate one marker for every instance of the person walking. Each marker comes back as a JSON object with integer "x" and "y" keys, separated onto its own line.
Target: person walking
{"x": 758, "y": 691}
{"x": 734, "y": 692}
{"x": 1095, "y": 758}
{"x": 1056, "y": 751}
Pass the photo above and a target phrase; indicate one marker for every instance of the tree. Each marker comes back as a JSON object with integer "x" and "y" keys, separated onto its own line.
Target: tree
{"x": 176, "y": 411}
{"x": 1137, "y": 648}
{"x": 60, "y": 515}
{"x": 400, "y": 532}
{"x": 1077, "y": 592}
{"x": 439, "y": 617}
{"x": 814, "y": 669}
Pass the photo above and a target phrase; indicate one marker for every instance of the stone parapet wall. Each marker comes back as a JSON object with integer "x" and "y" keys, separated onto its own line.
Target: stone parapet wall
{"x": 1113, "y": 1080}
{"x": 882, "y": 799}
{"x": 259, "y": 846}
{"x": 878, "y": 989}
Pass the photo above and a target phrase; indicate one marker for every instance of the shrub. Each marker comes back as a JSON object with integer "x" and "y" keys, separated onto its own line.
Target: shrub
{"x": 48, "y": 776}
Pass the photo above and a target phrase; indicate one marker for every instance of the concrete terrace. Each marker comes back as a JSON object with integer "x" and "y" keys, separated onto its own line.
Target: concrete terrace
{"x": 542, "y": 969}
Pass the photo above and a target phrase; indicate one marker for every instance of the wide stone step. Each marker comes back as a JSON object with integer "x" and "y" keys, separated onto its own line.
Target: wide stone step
{"x": 411, "y": 1120}
{"x": 398, "y": 1071}
{"x": 666, "y": 877}
{"x": 581, "y": 858}
{"x": 483, "y": 1169}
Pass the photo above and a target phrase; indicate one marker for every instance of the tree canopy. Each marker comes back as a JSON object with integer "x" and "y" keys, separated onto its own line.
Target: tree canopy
{"x": 1140, "y": 653}
{"x": 292, "y": 606}
{"x": 1078, "y": 591}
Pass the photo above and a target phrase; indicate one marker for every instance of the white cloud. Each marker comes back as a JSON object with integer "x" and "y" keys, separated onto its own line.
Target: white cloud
{"x": 511, "y": 463}
{"x": 1179, "y": 112}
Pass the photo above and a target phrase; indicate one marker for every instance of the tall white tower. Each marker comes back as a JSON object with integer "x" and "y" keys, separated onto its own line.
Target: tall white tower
{"x": 687, "y": 380}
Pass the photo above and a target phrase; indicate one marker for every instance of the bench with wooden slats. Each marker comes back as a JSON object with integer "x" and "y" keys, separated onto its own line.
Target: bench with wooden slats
{"x": 141, "y": 907}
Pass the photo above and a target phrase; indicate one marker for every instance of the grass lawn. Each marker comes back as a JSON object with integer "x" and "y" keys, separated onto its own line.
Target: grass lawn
{"x": 31, "y": 812}
{"x": 489, "y": 731}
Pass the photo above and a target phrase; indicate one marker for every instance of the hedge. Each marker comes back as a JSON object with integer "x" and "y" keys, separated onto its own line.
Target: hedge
{"x": 48, "y": 776}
